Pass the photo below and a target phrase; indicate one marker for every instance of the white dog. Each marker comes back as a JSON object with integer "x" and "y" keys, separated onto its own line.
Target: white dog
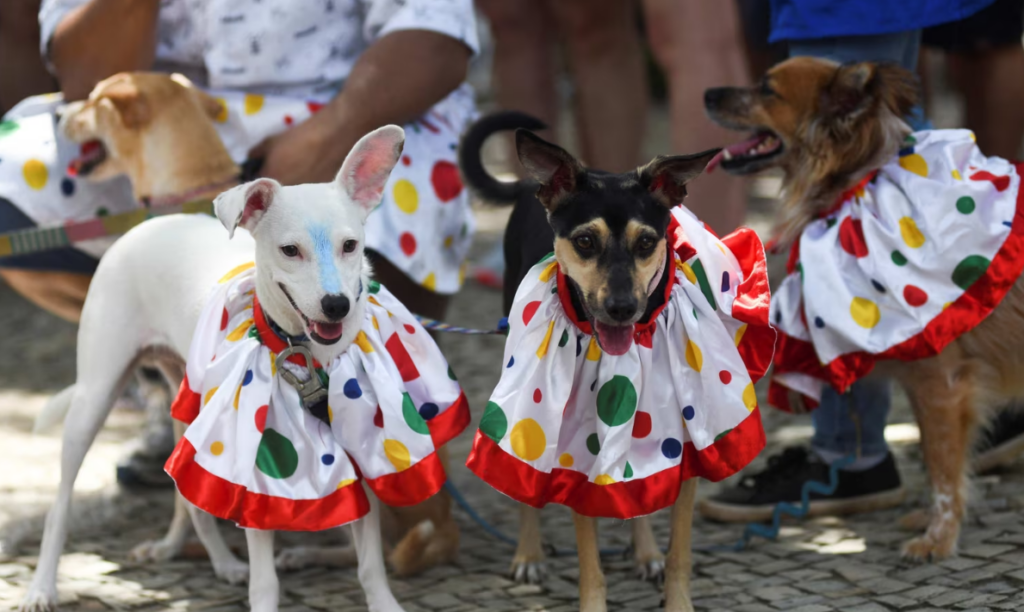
{"x": 146, "y": 298}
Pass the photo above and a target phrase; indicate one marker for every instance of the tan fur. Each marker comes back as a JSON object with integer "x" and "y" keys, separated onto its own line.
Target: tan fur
{"x": 592, "y": 585}
{"x": 953, "y": 392}
{"x": 529, "y": 556}
{"x": 679, "y": 562}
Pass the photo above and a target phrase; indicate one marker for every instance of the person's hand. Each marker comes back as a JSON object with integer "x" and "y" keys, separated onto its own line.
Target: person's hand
{"x": 310, "y": 152}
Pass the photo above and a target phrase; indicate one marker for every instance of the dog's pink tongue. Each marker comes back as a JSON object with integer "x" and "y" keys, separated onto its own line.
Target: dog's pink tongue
{"x": 735, "y": 149}
{"x": 614, "y": 339}
{"x": 327, "y": 331}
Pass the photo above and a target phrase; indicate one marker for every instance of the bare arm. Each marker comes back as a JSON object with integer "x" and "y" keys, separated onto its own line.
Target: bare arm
{"x": 102, "y": 38}
{"x": 399, "y": 78}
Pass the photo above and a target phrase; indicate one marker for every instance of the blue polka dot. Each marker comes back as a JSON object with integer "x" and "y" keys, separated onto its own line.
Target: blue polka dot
{"x": 67, "y": 186}
{"x": 428, "y": 411}
{"x": 688, "y": 413}
{"x": 351, "y": 389}
{"x": 248, "y": 378}
{"x": 511, "y": 362}
{"x": 327, "y": 459}
{"x": 878, "y": 286}
{"x": 1008, "y": 223}
{"x": 725, "y": 282}
{"x": 818, "y": 322}
{"x": 593, "y": 384}
{"x": 579, "y": 346}
{"x": 671, "y": 448}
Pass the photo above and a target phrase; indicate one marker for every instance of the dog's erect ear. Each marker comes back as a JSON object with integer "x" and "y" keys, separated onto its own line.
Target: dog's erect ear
{"x": 130, "y": 103}
{"x": 897, "y": 88}
{"x": 369, "y": 164}
{"x": 856, "y": 87}
{"x": 246, "y": 204}
{"x": 550, "y": 165}
{"x": 213, "y": 108}
{"x": 666, "y": 176}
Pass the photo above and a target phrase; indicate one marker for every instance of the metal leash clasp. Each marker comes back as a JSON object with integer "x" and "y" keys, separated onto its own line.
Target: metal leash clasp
{"x": 312, "y": 391}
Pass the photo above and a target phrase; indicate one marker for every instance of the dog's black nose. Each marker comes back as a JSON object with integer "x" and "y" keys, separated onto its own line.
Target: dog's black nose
{"x": 621, "y": 307}
{"x": 335, "y": 307}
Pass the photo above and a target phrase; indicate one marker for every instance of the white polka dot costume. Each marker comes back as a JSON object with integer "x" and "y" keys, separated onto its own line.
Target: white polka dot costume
{"x": 252, "y": 454}
{"x": 615, "y": 436}
{"x": 916, "y": 255}
{"x": 423, "y": 225}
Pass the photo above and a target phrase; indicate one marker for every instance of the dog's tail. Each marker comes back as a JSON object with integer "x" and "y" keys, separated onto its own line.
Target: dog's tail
{"x": 473, "y": 172}
{"x": 54, "y": 411}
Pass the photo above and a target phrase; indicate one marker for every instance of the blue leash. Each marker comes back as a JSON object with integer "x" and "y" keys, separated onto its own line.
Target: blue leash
{"x": 435, "y": 325}
{"x": 768, "y": 532}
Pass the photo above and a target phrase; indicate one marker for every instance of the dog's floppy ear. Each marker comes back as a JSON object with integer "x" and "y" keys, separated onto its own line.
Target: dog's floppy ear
{"x": 213, "y": 107}
{"x": 369, "y": 164}
{"x": 246, "y": 204}
{"x": 130, "y": 103}
{"x": 550, "y": 165}
{"x": 666, "y": 176}
{"x": 856, "y": 87}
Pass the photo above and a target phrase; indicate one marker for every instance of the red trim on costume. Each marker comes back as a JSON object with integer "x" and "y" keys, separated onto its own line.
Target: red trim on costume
{"x": 450, "y": 423}
{"x": 960, "y": 317}
{"x": 186, "y": 404}
{"x": 411, "y": 486}
{"x": 622, "y": 500}
{"x": 272, "y": 340}
{"x": 227, "y": 500}
{"x": 851, "y": 192}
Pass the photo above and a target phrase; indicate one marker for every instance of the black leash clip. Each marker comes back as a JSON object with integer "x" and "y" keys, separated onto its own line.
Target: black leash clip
{"x": 312, "y": 393}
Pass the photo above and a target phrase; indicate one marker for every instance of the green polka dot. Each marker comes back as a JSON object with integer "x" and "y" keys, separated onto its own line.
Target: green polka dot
{"x": 616, "y": 401}
{"x": 325, "y": 380}
{"x": 593, "y": 444}
{"x": 276, "y": 456}
{"x": 898, "y": 258}
{"x": 102, "y": 212}
{"x": 909, "y": 141}
{"x": 374, "y": 286}
{"x": 705, "y": 286}
{"x": 493, "y": 423}
{"x": 7, "y": 127}
{"x": 554, "y": 288}
{"x": 628, "y": 472}
{"x": 965, "y": 205}
{"x": 564, "y": 339}
{"x": 969, "y": 270}
{"x": 694, "y": 313}
{"x": 412, "y": 416}
{"x": 800, "y": 271}
{"x": 722, "y": 435}
{"x": 830, "y": 222}
{"x": 451, "y": 373}
{"x": 254, "y": 333}
{"x": 547, "y": 257}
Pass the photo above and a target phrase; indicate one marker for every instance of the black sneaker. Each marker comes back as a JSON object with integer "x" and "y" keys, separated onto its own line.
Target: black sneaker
{"x": 143, "y": 465}
{"x": 1001, "y": 442}
{"x": 755, "y": 498}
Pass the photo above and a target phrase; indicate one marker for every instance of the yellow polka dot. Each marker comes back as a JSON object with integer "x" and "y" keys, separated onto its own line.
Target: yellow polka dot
{"x": 947, "y": 305}
{"x": 448, "y": 241}
{"x": 956, "y": 175}
{"x": 238, "y": 394}
{"x": 222, "y": 115}
{"x": 864, "y": 312}
{"x": 750, "y": 397}
{"x": 373, "y": 301}
{"x": 914, "y": 163}
{"x": 346, "y": 482}
{"x": 543, "y": 348}
{"x": 35, "y": 174}
{"x": 912, "y": 236}
{"x": 273, "y": 365}
{"x": 548, "y": 272}
{"x": 397, "y": 454}
{"x": 604, "y": 479}
{"x": 528, "y": 440}
{"x": 253, "y": 103}
{"x": 973, "y": 137}
{"x": 209, "y": 394}
{"x": 566, "y": 460}
{"x": 694, "y": 358}
{"x": 217, "y": 448}
{"x": 688, "y": 272}
{"x": 240, "y": 331}
{"x": 430, "y": 281}
{"x": 330, "y": 414}
{"x": 236, "y": 271}
{"x": 739, "y": 334}
{"x": 593, "y": 350}
{"x": 376, "y": 324}
{"x": 462, "y": 273}
{"x": 406, "y": 198}
{"x": 363, "y": 342}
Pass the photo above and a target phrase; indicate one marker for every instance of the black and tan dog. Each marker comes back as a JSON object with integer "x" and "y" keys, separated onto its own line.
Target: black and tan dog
{"x": 608, "y": 232}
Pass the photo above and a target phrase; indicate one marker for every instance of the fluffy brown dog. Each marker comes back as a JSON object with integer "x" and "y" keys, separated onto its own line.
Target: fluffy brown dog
{"x": 827, "y": 127}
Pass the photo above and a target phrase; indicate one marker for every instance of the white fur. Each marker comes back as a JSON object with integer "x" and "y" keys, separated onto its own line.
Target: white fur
{"x": 148, "y": 293}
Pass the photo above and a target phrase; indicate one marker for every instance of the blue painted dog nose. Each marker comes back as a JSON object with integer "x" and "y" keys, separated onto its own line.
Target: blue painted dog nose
{"x": 335, "y": 307}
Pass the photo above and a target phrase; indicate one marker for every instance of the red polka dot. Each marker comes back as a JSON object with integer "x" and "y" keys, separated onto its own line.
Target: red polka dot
{"x": 642, "y": 425}
{"x": 445, "y": 179}
{"x": 408, "y": 243}
{"x": 725, "y": 376}
{"x": 529, "y": 311}
{"x": 915, "y": 296}
{"x": 378, "y": 418}
{"x": 405, "y": 160}
{"x": 224, "y": 320}
{"x": 410, "y": 328}
{"x": 1001, "y": 182}
{"x": 851, "y": 237}
{"x": 288, "y": 120}
{"x": 314, "y": 107}
{"x": 537, "y": 396}
{"x": 261, "y": 418}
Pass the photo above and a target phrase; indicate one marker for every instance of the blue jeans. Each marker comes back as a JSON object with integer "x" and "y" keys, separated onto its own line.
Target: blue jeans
{"x": 855, "y": 422}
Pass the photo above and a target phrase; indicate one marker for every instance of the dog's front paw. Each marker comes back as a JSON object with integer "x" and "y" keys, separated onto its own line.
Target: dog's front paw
{"x": 39, "y": 600}
{"x": 652, "y": 570}
{"x": 384, "y": 603}
{"x": 929, "y": 548}
{"x": 916, "y": 520}
{"x": 525, "y": 571}
{"x": 232, "y": 571}
{"x": 293, "y": 559}
{"x": 683, "y": 605}
{"x": 154, "y": 550}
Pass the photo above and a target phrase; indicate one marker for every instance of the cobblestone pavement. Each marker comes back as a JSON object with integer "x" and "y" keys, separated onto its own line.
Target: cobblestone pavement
{"x": 850, "y": 564}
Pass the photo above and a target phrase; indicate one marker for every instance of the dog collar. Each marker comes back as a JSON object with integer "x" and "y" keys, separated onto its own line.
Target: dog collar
{"x": 276, "y": 340}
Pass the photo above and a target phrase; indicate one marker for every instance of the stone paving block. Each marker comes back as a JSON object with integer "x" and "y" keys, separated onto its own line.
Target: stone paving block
{"x": 920, "y": 573}
{"x": 439, "y": 601}
{"x": 825, "y": 586}
{"x": 776, "y": 593}
{"x": 898, "y": 602}
{"x": 985, "y": 599}
{"x": 868, "y": 607}
{"x": 754, "y": 607}
{"x": 986, "y": 551}
{"x": 924, "y": 593}
{"x": 950, "y": 598}
{"x": 884, "y": 586}
{"x": 813, "y": 608}
{"x": 959, "y": 564}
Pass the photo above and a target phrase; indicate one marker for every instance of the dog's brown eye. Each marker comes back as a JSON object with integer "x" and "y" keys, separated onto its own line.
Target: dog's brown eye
{"x": 646, "y": 243}
{"x": 583, "y": 243}
{"x": 290, "y": 250}
{"x": 349, "y": 246}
